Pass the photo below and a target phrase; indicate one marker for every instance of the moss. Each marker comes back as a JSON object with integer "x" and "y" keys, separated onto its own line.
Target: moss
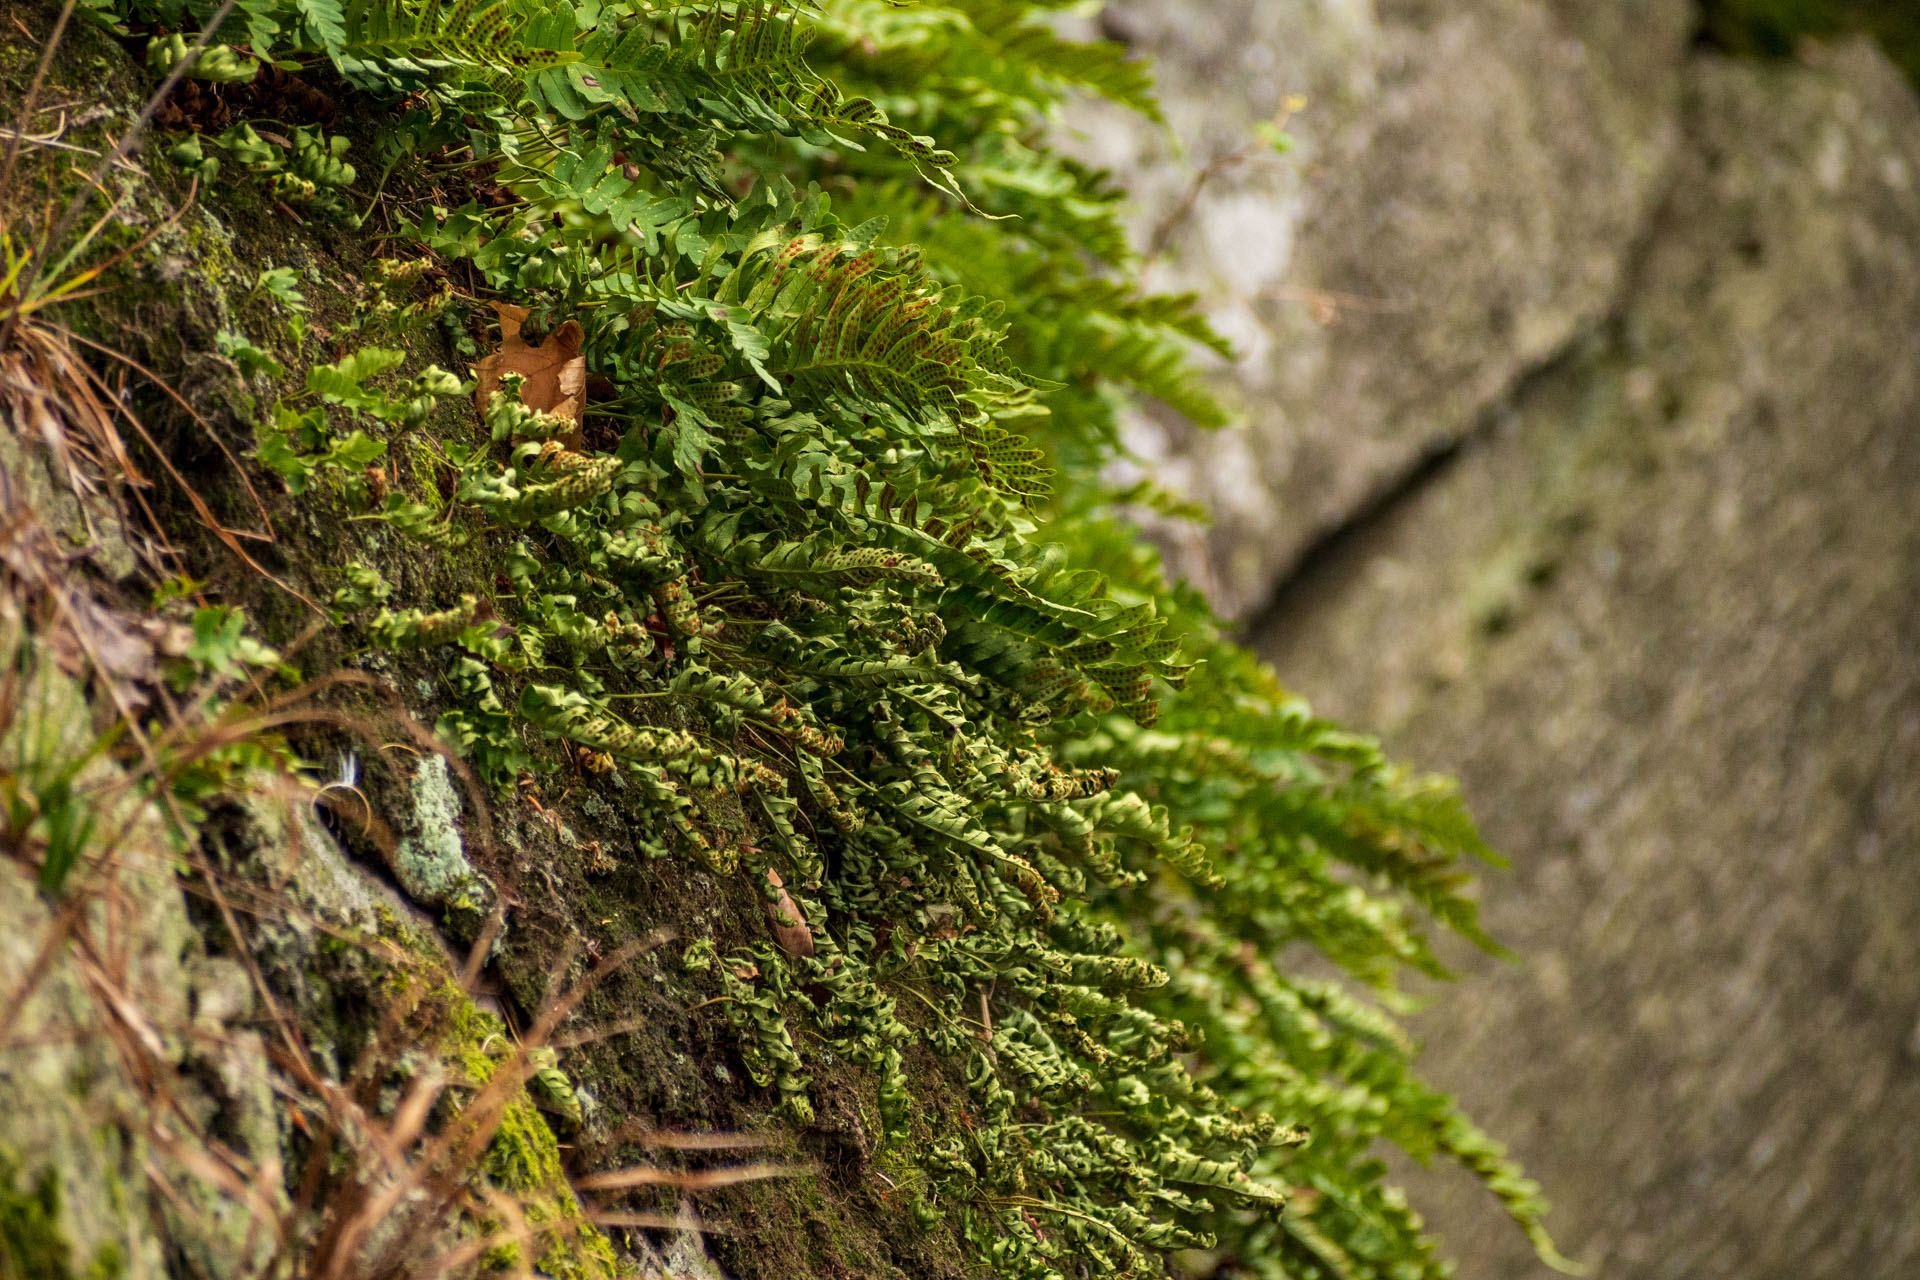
{"x": 30, "y": 1240}
{"x": 522, "y": 1156}
{"x": 32, "y": 1246}
{"x": 1772, "y": 28}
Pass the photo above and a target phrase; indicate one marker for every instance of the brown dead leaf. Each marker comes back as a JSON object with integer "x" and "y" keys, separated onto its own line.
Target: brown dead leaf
{"x": 555, "y": 372}
{"x": 783, "y": 916}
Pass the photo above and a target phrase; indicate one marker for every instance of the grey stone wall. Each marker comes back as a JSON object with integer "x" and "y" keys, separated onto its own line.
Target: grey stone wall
{"x": 1470, "y": 180}
{"x": 1658, "y": 601}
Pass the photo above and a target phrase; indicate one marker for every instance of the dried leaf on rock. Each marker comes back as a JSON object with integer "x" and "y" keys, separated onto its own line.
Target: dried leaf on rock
{"x": 554, "y": 373}
{"x": 789, "y": 926}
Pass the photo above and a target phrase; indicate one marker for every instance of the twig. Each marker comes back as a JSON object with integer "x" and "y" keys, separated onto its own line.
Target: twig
{"x": 1163, "y": 234}
{"x": 649, "y": 1176}
{"x": 659, "y": 1222}
{"x": 228, "y": 536}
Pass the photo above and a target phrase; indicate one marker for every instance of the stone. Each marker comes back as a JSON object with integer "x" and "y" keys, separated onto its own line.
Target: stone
{"x": 99, "y": 1030}
{"x": 1663, "y": 619}
{"x": 1467, "y": 184}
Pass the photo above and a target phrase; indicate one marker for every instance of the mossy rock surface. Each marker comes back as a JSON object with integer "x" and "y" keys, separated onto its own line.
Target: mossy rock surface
{"x": 1698, "y": 727}
{"x": 565, "y": 855}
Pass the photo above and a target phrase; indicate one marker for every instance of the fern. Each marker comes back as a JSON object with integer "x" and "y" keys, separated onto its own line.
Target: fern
{"x": 1010, "y": 39}
{"x": 396, "y": 44}
{"x": 833, "y": 588}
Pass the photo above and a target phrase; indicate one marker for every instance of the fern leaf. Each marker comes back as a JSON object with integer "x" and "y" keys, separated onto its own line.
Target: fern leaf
{"x": 327, "y": 20}
{"x": 1103, "y": 67}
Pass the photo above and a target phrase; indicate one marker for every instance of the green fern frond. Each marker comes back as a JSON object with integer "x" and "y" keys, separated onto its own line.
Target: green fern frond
{"x": 1007, "y": 33}
{"x": 785, "y": 582}
{"x": 398, "y": 44}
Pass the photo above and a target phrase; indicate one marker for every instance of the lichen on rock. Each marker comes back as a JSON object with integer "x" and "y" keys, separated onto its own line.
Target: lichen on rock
{"x": 431, "y": 861}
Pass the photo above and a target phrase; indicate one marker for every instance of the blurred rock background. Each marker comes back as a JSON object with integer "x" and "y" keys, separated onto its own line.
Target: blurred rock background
{"x": 1580, "y": 371}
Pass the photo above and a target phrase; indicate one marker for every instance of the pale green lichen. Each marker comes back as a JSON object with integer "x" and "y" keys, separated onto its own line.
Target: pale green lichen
{"x": 431, "y": 863}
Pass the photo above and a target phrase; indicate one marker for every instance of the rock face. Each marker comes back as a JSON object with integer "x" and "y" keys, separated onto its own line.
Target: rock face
{"x": 1659, "y": 607}
{"x": 1665, "y": 622}
{"x": 1468, "y": 183}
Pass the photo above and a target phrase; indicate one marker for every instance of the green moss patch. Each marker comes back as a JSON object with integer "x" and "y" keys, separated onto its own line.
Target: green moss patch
{"x": 1773, "y": 27}
{"x": 32, "y": 1244}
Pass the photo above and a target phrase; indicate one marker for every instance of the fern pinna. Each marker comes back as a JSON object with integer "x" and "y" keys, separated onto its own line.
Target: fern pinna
{"x": 829, "y": 579}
